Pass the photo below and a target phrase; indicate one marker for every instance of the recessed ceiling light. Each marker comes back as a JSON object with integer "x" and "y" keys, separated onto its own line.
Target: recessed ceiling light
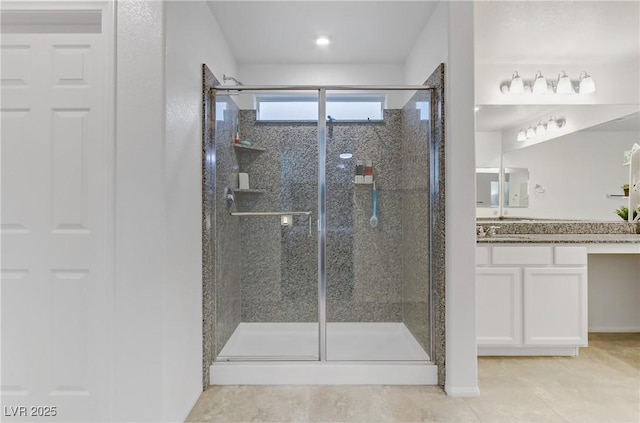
{"x": 322, "y": 41}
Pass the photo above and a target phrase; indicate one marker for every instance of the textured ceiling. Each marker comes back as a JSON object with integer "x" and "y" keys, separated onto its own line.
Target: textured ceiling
{"x": 556, "y": 31}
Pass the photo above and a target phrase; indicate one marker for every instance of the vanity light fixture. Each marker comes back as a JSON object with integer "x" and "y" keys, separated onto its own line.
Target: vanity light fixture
{"x": 540, "y": 129}
{"x": 322, "y": 40}
{"x": 539, "y": 85}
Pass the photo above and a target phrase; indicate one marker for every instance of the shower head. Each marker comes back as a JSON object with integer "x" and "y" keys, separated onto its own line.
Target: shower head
{"x": 226, "y": 78}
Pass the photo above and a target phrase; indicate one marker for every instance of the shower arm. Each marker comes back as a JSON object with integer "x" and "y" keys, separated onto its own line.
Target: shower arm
{"x": 226, "y": 78}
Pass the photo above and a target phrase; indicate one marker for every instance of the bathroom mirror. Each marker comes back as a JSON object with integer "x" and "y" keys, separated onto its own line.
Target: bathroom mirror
{"x": 516, "y": 187}
{"x": 487, "y": 187}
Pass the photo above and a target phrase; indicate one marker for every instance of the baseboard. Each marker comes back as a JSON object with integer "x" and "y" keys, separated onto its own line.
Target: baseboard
{"x": 462, "y": 392}
{"x": 527, "y": 351}
{"x": 617, "y": 329}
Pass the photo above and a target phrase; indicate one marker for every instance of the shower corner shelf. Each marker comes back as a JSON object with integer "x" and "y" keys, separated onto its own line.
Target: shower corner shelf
{"x": 363, "y": 183}
{"x": 249, "y": 149}
{"x": 250, "y": 191}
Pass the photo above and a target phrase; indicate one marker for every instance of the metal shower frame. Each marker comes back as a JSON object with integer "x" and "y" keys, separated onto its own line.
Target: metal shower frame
{"x": 322, "y": 161}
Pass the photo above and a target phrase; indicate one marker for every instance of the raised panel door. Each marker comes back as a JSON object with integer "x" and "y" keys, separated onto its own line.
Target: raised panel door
{"x": 499, "y": 306}
{"x": 56, "y": 228}
{"x": 555, "y": 306}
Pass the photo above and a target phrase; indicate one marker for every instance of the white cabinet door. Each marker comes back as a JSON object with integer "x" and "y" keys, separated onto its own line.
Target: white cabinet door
{"x": 499, "y": 306}
{"x": 555, "y": 306}
{"x": 56, "y": 229}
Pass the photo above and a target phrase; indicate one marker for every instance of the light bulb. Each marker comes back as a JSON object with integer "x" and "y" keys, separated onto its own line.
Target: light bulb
{"x": 540, "y": 84}
{"x": 517, "y": 85}
{"x": 564, "y": 84}
{"x": 552, "y": 124}
{"x": 540, "y": 129}
{"x": 530, "y": 132}
{"x": 322, "y": 41}
{"x": 587, "y": 85}
{"x": 521, "y": 135}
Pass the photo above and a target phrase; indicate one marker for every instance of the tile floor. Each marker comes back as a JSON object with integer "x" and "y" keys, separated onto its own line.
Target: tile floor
{"x": 601, "y": 385}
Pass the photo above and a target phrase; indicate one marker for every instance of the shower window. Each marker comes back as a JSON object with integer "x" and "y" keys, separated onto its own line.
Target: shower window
{"x": 340, "y": 107}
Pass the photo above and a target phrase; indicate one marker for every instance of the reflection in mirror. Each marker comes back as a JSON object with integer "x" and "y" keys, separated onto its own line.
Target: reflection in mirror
{"x": 487, "y": 187}
{"x": 516, "y": 187}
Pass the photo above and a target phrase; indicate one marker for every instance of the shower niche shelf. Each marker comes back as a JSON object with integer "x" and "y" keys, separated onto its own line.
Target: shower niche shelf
{"x": 248, "y": 149}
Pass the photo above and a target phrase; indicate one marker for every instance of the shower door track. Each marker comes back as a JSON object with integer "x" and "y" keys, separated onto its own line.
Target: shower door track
{"x": 322, "y": 159}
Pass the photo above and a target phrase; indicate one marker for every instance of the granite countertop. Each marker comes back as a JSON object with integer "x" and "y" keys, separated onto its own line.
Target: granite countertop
{"x": 562, "y": 239}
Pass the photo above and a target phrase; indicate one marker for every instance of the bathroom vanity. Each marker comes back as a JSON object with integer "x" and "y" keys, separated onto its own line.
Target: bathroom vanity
{"x": 532, "y": 289}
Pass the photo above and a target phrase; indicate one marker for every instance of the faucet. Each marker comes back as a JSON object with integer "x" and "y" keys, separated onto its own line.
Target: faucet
{"x": 492, "y": 231}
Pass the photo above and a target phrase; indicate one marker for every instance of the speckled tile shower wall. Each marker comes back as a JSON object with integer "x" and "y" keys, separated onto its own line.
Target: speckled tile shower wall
{"x": 279, "y": 263}
{"x": 415, "y": 222}
{"x": 364, "y": 264}
{"x": 220, "y": 233}
{"x": 279, "y": 266}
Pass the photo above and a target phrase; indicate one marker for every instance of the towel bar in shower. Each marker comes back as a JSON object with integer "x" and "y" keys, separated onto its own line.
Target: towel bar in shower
{"x": 301, "y": 213}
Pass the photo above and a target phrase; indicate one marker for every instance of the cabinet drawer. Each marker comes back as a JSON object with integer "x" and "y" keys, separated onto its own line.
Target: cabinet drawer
{"x": 570, "y": 255}
{"x": 482, "y": 256}
{"x": 522, "y": 255}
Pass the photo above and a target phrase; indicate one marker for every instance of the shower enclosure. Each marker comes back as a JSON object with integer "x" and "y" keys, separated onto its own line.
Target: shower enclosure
{"x": 300, "y": 286}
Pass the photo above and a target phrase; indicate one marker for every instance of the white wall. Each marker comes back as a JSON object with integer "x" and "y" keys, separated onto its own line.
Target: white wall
{"x": 614, "y": 292}
{"x": 448, "y": 38}
{"x": 488, "y": 154}
{"x": 141, "y": 213}
{"x": 488, "y": 149}
{"x": 158, "y": 349}
{"x": 187, "y": 24}
{"x": 577, "y": 171}
{"x": 324, "y": 74}
{"x": 430, "y": 48}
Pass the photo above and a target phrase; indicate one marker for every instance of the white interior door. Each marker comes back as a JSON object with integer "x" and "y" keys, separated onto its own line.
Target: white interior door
{"x": 56, "y": 223}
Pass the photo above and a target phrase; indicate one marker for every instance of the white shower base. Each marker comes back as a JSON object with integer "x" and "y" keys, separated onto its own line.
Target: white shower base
{"x": 357, "y": 353}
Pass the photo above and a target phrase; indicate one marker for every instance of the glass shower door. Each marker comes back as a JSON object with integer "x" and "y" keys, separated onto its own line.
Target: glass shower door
{"x": 377, "y": 254}
{"x": 267, "y": 293}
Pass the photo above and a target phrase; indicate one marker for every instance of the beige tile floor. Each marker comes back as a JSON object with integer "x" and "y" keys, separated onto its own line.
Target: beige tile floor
{"x": 601, "y": 385}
